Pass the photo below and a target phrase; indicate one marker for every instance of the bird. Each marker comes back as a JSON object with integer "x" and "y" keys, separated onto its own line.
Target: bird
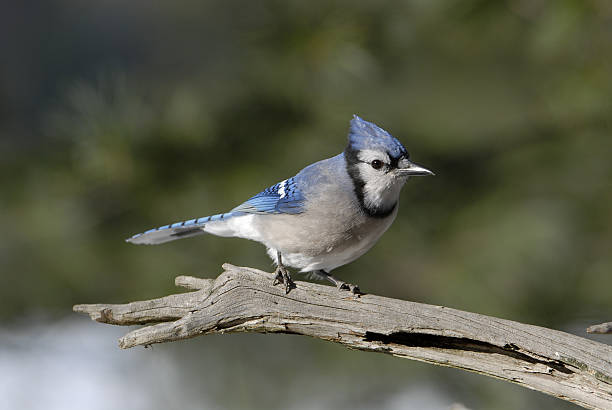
{"x": 327, "y": 215}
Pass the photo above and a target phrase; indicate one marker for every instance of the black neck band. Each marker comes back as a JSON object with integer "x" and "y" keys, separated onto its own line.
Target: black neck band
{"x": 350, "y": 155}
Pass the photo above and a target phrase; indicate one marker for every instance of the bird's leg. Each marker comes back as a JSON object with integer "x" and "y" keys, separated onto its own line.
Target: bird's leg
{"x": 282, "y": 275}
{"x": 341, "y": 285}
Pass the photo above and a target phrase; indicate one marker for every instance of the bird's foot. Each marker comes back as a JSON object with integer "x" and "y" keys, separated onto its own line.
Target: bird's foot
{"x": 354, "y": 289}
{"x": 341, "y": 285}
{"x": 282, "y": 276}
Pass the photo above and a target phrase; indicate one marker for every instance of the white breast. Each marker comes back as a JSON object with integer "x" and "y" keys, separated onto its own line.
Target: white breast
{"x": 354, "y": 244}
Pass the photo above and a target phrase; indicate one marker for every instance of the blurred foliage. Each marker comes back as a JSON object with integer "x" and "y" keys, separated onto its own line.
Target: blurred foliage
{"x": 116, "y": 117}
{"x": 134, "y": 116}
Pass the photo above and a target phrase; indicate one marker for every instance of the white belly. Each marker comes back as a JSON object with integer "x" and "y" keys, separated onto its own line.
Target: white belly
{"x": 326, "y": 261}
{"x": 309, "y": 245}
{"x": 336, "y": 254}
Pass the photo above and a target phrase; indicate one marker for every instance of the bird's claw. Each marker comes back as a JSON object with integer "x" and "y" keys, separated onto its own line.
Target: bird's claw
{"x": 354, "y": 289}
{"x": 282, "y": 276}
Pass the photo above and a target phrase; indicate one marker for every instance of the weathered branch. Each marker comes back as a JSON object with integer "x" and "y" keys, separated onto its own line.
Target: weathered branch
{"x": 242, "y": 300}
{"x": 602, "y": 328}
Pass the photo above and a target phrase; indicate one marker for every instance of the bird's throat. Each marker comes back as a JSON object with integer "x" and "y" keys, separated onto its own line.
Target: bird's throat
{"x": 368, "y": 207}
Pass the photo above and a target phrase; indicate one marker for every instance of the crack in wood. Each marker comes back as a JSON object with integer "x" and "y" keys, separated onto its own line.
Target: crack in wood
{"x": 242, "y": 300}
{"x": 426, "y": 340}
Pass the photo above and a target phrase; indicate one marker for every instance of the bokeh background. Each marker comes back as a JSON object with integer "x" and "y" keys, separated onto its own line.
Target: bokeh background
{"x": 120, "y": 116}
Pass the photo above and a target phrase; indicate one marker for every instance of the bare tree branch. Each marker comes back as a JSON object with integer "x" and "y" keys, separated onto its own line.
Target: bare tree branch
{"x": 602, "y": 328}
{"x": 242, "y": 300}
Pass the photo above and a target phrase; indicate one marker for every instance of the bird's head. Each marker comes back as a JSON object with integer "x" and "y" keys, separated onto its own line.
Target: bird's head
{"x": 379, "y": 166}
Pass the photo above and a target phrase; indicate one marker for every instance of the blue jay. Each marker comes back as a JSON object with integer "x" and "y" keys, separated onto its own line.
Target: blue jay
{"x": 326, "y": 216}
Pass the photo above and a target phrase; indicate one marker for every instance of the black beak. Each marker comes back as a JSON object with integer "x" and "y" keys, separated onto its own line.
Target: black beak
{"x": 411, "y": 169}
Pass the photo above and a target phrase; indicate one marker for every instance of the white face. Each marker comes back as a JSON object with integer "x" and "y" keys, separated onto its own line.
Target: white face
{"x": 382, "y": 181}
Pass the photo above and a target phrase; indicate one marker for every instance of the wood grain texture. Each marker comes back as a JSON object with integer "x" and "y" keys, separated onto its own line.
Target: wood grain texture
{"x": 242, "y": 300}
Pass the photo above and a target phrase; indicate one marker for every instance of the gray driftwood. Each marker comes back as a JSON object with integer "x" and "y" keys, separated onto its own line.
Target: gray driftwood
{"x": 242, "y": 300}
{"x": 602, "y": 328}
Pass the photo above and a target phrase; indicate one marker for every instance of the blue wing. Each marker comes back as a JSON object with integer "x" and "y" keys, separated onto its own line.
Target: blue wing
{"x": 284, "y": 197}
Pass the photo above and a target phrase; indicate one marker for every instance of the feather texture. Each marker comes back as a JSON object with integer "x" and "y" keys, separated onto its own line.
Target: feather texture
{"x": 326, "y": 216}
{"x": 367, "y": 135}
{"x": 284, "y": 197}
{"x": 177, "y": 230}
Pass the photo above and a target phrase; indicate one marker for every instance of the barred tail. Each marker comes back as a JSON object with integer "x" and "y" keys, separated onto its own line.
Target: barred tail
{"x": 178, "y": 230}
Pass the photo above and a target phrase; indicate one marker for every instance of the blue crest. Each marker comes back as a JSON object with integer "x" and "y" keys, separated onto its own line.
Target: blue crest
{"x": 367, "y": 135}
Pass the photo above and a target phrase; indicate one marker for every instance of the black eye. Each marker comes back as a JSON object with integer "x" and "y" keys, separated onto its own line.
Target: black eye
{"x": 376, "y": 164}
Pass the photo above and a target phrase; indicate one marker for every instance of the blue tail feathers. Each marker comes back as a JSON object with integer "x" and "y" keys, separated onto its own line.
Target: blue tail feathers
{"x": 177, "y": 230}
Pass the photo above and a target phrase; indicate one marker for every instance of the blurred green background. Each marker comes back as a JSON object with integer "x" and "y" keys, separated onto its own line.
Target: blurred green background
{"x": 120, "y": 116}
